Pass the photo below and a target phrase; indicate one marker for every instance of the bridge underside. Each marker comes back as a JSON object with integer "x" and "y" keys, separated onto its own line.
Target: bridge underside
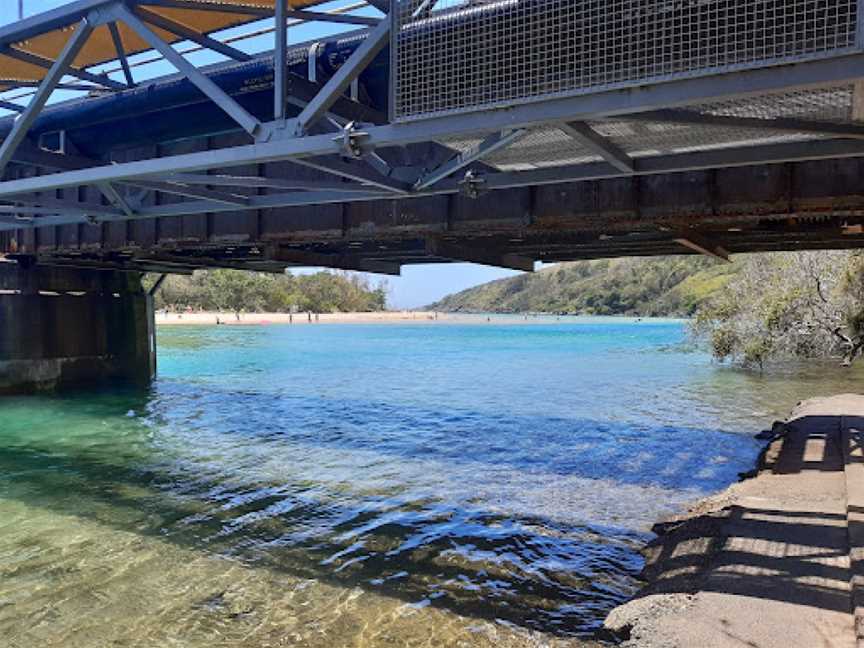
{"x": 500, "y": 132}
{"x": 791, "y": 206}
{"x": 392, "y": 145}
{"x": 445, "y": 131}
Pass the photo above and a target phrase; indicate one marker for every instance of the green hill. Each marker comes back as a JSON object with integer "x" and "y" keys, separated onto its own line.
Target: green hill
{"x": 673, "y": 286}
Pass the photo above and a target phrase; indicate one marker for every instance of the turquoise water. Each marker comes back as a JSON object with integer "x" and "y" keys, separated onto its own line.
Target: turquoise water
{"x": 466, "y": 484}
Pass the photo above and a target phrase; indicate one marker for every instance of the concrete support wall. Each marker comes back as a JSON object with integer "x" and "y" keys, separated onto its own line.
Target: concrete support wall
{"x": 78, "y": 329}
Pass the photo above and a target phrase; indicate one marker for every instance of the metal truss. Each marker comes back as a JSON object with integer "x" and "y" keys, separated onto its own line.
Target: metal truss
{"x": 324, "y": 138}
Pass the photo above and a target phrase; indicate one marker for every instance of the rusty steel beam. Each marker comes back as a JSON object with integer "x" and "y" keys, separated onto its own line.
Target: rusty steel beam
{"x": 169, "y": 261}
{"x": 132, "y": 266}
{"x": 476, "y": 252}
{"x": 703, "y": 245}
{"x": 338, "y": 261}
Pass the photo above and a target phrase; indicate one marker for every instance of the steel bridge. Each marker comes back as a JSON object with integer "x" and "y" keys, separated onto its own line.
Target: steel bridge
{"x": 500, "y": 132}
{"x": 494, "y": 131}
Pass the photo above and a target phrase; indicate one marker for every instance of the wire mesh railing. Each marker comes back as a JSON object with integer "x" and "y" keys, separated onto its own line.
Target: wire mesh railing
{"x": 461, "y": 55}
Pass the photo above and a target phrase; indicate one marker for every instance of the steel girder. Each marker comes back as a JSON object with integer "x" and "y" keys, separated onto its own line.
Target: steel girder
{"x": 555, "y": 111}
{"x": 281, "y": 141}
{"x": 726, "y": 158}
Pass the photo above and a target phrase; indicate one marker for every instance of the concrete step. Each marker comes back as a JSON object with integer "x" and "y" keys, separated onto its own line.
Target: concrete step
{"x": 767, "y": 562}
{"x": 852, "y": 430}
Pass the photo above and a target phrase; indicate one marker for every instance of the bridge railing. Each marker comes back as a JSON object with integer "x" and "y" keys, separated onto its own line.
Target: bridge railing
{"x": 452, "y": 56}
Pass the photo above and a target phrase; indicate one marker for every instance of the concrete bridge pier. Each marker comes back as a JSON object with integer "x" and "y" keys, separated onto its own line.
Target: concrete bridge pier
{"x": 68, "y": 328}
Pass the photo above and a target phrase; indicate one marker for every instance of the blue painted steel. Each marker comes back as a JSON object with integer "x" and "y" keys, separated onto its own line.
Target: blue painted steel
{"x": 173, "y": 108}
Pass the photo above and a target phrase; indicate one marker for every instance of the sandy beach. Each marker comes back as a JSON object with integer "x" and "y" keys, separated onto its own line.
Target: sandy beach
{"x": 252, "y": 319}
{"x": 388, "y": 317}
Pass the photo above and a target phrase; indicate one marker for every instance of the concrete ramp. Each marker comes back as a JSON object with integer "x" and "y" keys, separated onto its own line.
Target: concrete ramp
{"x": 776, "y": 560}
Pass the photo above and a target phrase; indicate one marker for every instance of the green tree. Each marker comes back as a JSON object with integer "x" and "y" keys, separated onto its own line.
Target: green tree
{"x": 789, "y": 305}
{"x": 229, "y": 290}
{"x": 238, "y": 291}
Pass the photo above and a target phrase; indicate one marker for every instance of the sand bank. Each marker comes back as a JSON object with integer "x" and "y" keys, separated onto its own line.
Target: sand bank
{"x": 395, "y": 317}
{"x": 775, "y": 560}
{"x": 249, "y": 319}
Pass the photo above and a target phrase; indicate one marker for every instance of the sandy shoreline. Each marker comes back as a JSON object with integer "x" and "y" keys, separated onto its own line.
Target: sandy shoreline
{"x": 389, "y": 317}
{"x": 261, "y": 319}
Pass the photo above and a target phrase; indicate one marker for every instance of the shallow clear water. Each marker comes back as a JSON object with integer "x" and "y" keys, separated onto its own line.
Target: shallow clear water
{"x": 422, "y": 484}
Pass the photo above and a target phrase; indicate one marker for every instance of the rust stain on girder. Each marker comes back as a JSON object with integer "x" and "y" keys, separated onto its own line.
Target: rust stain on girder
{"x": 746, "y": 209}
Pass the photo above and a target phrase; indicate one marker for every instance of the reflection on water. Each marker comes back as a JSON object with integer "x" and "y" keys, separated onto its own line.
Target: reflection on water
{"x": 367, "y": 485}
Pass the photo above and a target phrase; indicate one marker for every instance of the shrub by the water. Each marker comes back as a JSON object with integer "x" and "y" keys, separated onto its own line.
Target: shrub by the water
{"x": 788, "y": 305}
{"x": 759, "y": 308}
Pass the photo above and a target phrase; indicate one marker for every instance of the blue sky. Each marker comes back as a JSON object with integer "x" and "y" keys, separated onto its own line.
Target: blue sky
{"x": 418, "y": 285}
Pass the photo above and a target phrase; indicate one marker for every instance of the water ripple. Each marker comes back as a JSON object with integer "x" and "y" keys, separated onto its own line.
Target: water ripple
{"x": 364, "y": 485}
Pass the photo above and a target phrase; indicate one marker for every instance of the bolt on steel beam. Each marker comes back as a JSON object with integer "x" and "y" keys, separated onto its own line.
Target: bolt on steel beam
{"x": 494, "y": 142}
{"x": 375, "y": 41}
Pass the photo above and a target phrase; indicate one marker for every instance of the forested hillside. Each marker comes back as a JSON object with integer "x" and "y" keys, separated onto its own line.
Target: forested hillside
{"x": 647, "y": 287}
